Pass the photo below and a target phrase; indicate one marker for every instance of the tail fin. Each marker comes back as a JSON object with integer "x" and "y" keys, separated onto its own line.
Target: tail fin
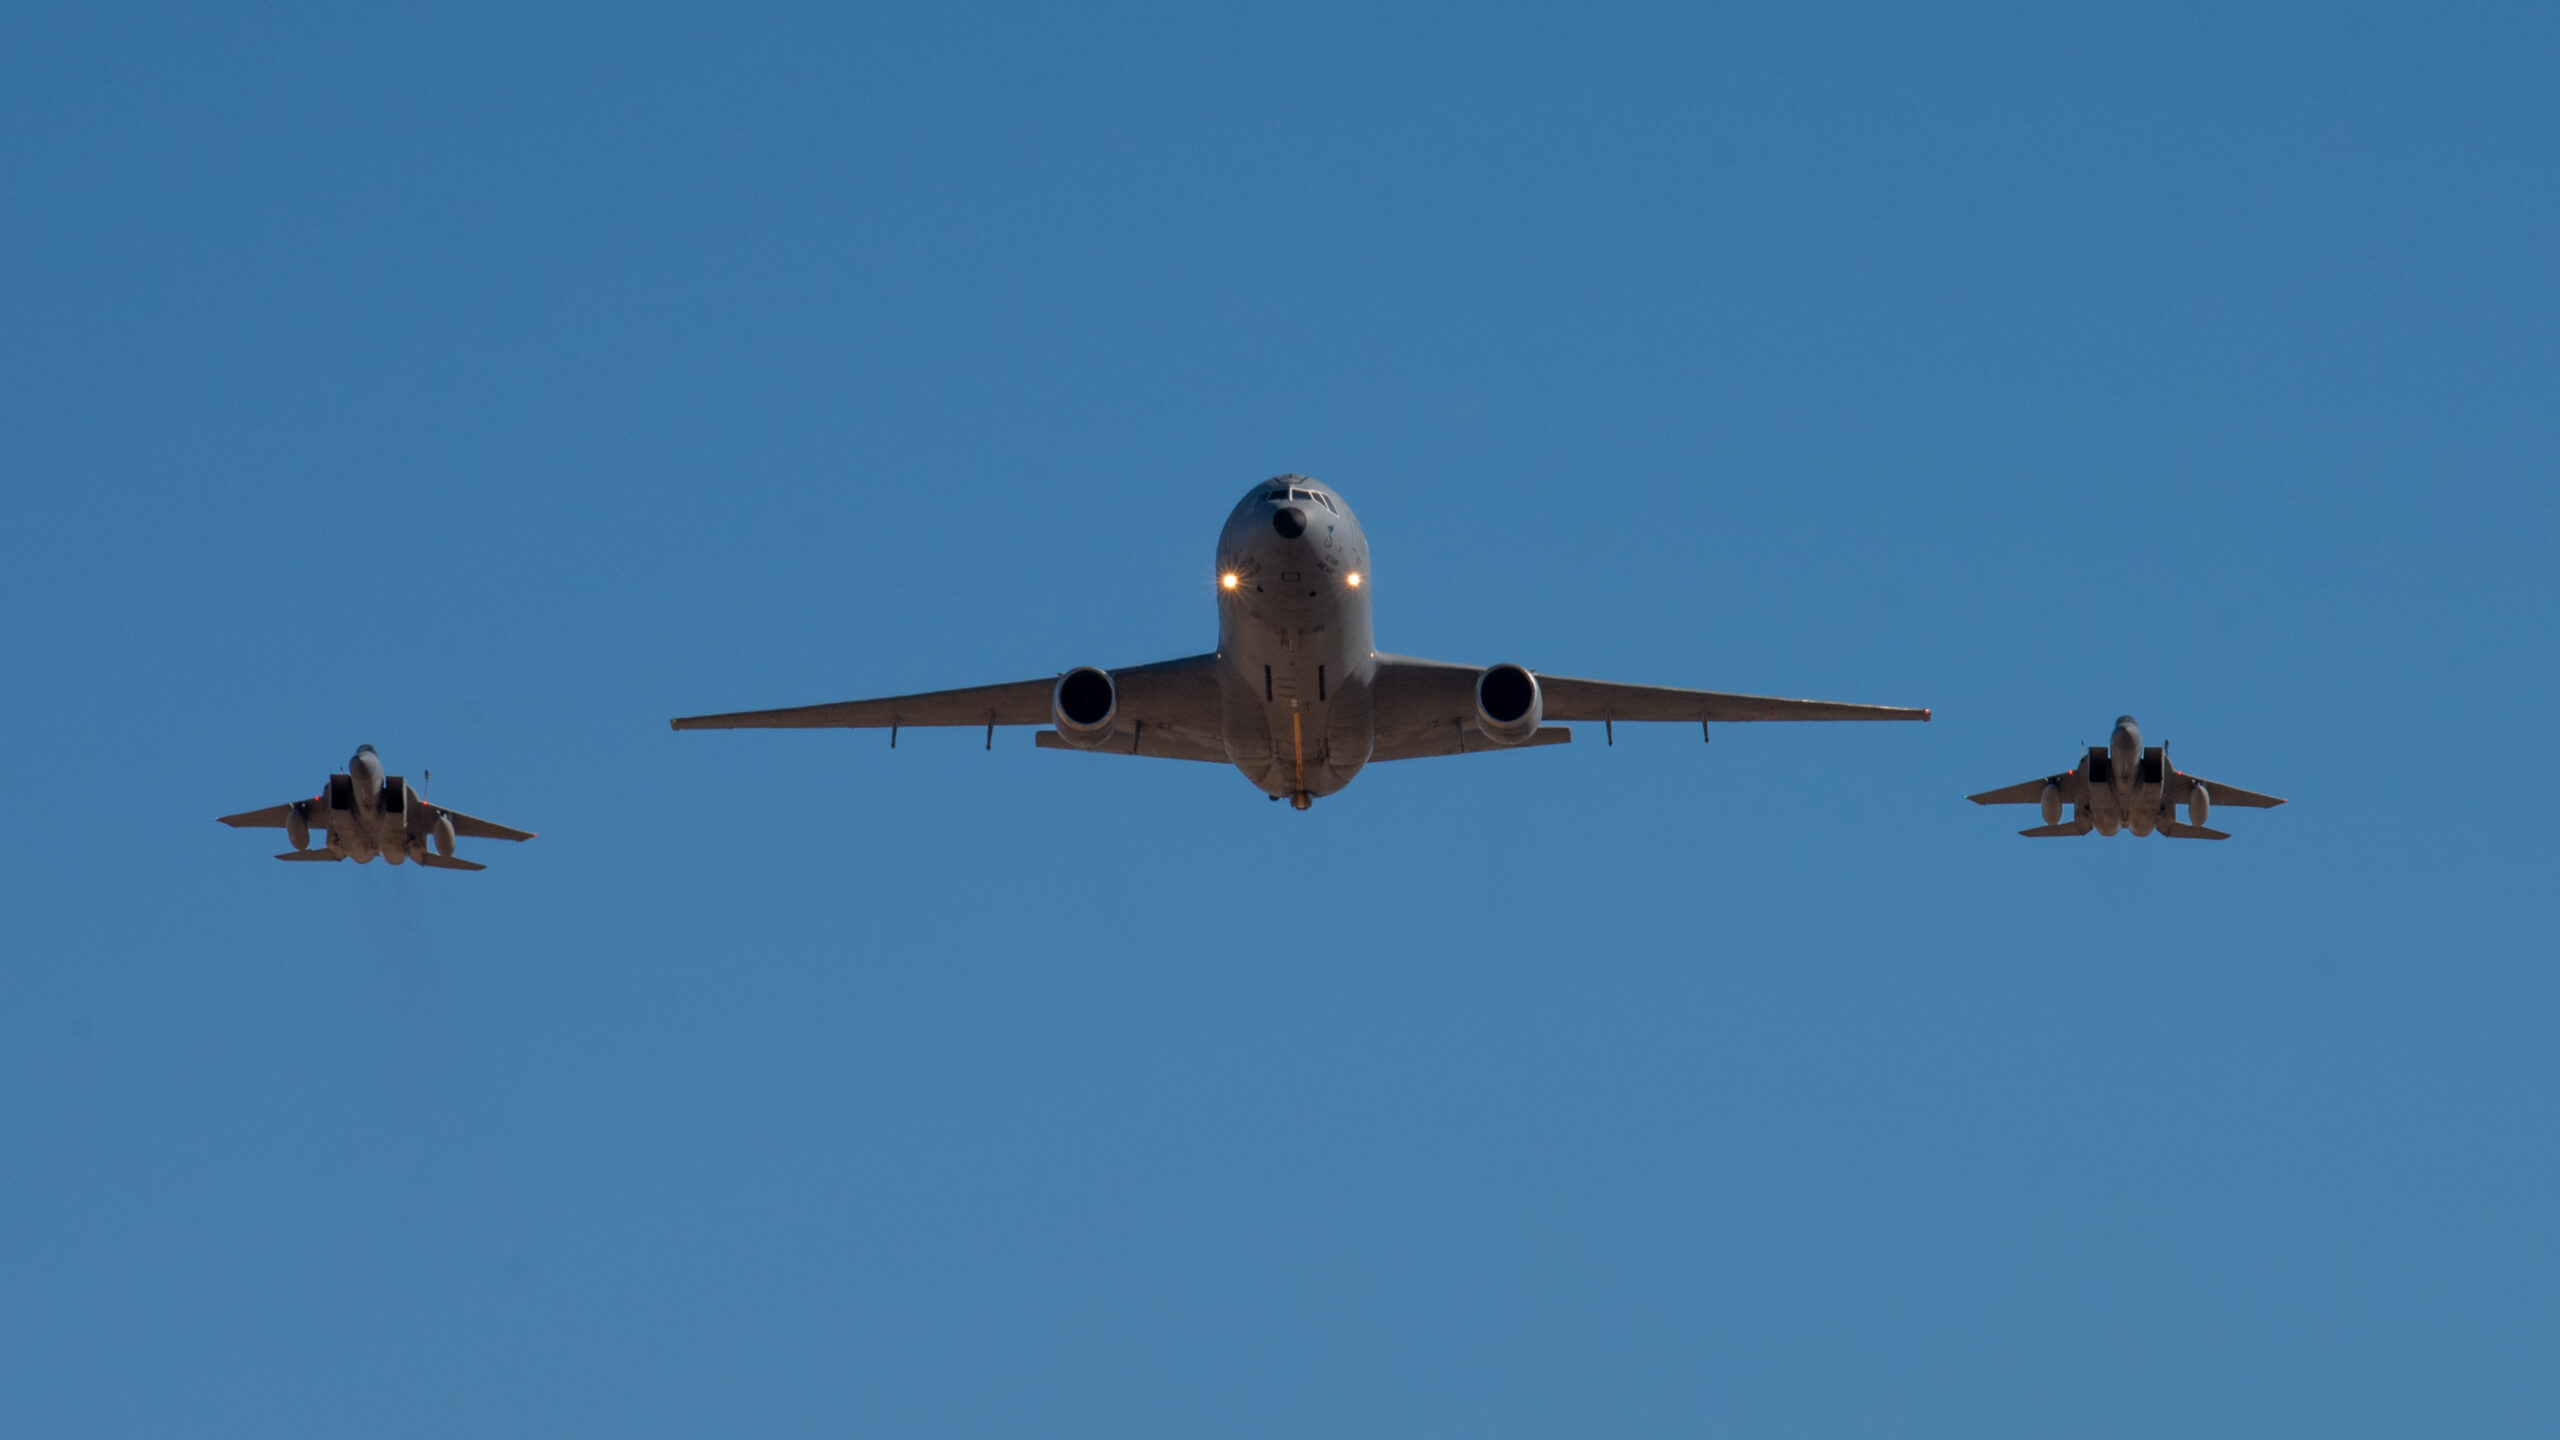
{"x": 2176, "y": 831}
{"x": 2067, "y": 827}
{"x": 447, "y": 862}
{"x": 311, "y": 855}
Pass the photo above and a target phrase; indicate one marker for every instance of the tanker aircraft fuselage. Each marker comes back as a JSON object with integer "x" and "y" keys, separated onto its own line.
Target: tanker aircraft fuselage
{"x": 1301, "y": 671}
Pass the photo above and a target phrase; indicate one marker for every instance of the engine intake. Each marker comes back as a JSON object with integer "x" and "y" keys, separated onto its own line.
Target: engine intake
{"x": 1085, "y": 707}
{"x": 1509, "y": 706}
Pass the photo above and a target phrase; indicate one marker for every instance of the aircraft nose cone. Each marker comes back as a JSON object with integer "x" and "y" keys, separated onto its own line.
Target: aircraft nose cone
{"x": 1290, "y": 521}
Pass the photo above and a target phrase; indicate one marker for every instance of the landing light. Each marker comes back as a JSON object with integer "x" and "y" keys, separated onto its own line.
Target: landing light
{"x": 1227, "y": 581}
{"x": 1355, "y": 579}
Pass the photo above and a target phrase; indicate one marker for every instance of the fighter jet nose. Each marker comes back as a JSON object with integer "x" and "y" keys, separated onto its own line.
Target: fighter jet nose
{"x": 1290, "y": 521}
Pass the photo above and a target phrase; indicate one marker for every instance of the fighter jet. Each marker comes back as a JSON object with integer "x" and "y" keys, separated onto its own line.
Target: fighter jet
{"x": 2122, "y": 785}
{"x": 1296, "y": 695}
{"x": 366, "y": 813}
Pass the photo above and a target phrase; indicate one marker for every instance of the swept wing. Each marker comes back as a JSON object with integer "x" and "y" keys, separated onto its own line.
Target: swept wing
{"x": 1168, "y": 709}
{"x": 2222, "y": 794}
{"x": 476, "y": 828}
{"x": 2073, "y": 785}
{"x": 271, "y": 818}
{"x": 1428, "y": 707}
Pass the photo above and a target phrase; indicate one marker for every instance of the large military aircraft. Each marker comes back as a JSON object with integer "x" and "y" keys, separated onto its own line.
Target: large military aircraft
{"x": 366, "y": 813}
{"x": 1296, "y": 695}
{"x": 2122, "y": 785}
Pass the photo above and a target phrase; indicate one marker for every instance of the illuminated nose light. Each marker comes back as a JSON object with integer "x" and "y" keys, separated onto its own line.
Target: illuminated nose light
{"x": 1228, "y": 580}
{"x": 1354, "y": 579}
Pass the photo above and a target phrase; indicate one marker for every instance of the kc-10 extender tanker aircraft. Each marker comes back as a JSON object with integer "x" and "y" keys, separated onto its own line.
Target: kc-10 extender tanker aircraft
{"x": 366, "y": 813}
{"x": 2121, "y": 785}
{"x": 1296, "y": 695}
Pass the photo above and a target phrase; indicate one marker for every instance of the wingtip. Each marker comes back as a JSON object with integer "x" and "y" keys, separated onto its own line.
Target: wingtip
{"x": 1924, "y": 715}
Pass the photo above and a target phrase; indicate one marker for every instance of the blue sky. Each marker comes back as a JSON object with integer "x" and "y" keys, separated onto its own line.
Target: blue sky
{"x": 489, "y": 385}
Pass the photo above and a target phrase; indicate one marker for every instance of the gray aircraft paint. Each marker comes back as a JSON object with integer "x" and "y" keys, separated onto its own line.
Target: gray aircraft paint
{"x": 363, "y": 815}
{"x": 2124, "y": 786}
{"x": 1297, "y": 695}
{"x": 1294, "y": 630}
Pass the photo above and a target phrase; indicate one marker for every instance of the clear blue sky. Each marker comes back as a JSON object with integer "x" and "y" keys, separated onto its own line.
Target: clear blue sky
{"x": 491, "y": 386}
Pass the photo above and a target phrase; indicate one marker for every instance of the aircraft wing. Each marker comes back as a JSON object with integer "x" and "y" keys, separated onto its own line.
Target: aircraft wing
{"x": 1172, "y": 703}
{"x": 273, "y": 817}
{"x": 2225, "y": 794}
{"x": 477, "y": 828}
{"x": 1571, "y": 699}
{"x": 1424, "y": 705}
{"x": 2074, "y": 790}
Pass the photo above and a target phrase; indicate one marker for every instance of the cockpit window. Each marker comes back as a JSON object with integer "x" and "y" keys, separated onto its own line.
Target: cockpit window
{"x": 1277, "y": 496}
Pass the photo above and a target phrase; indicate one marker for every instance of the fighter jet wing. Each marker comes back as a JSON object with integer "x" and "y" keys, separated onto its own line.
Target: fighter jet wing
{"x": 1173, "y": 703}
{"x": 273, "y": 817}
{"x": 2027, "y": 792}
{"x": 475, "y": 827}
{"x": 2224, "y": 794}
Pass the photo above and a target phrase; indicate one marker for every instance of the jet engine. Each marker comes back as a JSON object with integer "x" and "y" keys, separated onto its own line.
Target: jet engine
{"x": 1508, "y": 704}
{"x": 2107, "y": 824}
{"x": 297, "y": 828}
{"x": 444, "y": 835}
{"x": 1085, "y": 707}
{"x": 2199, "y": 805}
{"x": 2052, "y": 803}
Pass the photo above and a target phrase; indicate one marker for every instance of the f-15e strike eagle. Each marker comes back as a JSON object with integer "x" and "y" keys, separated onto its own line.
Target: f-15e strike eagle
{"x": 1296, "y": 695}
{"x": 2122, "y": 785}
{"x": 365, "y": 813}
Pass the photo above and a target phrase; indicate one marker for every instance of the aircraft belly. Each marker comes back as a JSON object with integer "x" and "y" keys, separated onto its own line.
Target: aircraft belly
{"x": 1296, "y": 711}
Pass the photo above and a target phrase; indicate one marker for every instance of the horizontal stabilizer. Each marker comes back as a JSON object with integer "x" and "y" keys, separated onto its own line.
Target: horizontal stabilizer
{"x": 311, "y": 855}
{"x": 447, "y": 862}
{"x": 2067, "y": 827}
{"x": 2176, "y": 831}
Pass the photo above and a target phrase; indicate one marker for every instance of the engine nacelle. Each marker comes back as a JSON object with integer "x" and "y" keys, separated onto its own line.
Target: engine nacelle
{"x": 444, "y": 836}
{"x": 2052, "y": 803}
{"x": 2108, "y": 824}
{"x": 1085, "y": 706}
{"x": 297, "y": 828}
{"x": 2199, "y": 805}
{"x": 1509, "y": 705}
